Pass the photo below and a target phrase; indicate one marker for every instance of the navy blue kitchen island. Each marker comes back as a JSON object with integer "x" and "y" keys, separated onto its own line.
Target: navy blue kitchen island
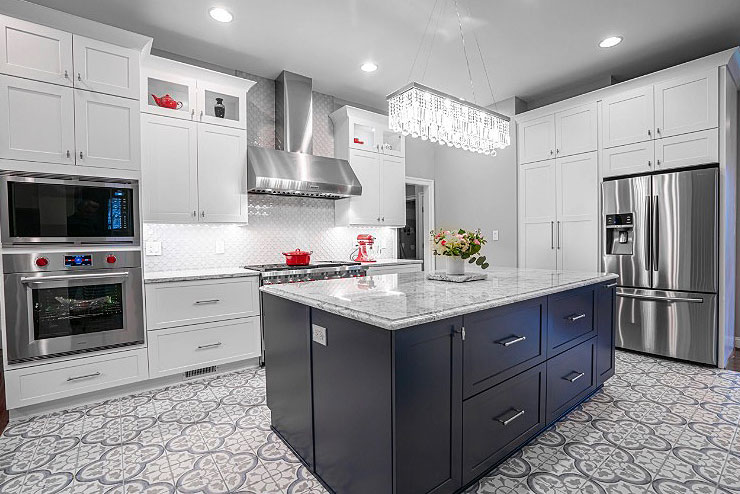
{"x": 402, "y": 385}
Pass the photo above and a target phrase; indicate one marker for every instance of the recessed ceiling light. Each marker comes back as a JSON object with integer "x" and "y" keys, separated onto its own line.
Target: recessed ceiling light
{"x": 369, "y": 67}
{"x": 610, "y": 41}
{"x": 221, "y": 15}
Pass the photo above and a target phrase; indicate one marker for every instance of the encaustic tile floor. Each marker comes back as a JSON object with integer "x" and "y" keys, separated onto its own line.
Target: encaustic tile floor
{"x": 657, "y": 426}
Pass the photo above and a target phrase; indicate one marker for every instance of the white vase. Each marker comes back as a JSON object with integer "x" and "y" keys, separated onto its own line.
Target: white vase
{"x": 455, "y": 265}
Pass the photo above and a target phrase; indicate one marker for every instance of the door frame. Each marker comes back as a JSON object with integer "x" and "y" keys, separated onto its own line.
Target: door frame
{"x": 428, "y": 217}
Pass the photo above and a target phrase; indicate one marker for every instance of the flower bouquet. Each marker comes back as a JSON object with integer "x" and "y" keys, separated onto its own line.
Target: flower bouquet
{"x": 459, "y": 246}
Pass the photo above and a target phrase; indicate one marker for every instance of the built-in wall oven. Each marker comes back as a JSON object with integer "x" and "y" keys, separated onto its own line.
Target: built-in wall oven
{"x": 62, "y": 303}
{"x": 37, "y": 211}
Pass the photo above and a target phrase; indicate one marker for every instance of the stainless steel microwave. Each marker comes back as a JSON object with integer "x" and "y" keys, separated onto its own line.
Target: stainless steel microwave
{"x": 37, "y": 211}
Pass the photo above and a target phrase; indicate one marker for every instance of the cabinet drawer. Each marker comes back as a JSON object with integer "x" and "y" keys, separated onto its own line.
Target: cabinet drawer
{"x": 502, "y": 342}
{"x": 47, "y": 382}
{"x": 570, "y": 377}
{"x": 570, "y": 319}
{"x": 501, "y": 419}
{"x": 176, "y": 350}
{"x": 181, "y": 303}
{"x": 393, "y": 269}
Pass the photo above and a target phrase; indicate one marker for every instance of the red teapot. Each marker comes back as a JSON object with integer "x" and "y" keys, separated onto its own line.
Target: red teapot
{"x": 167, "y": 101}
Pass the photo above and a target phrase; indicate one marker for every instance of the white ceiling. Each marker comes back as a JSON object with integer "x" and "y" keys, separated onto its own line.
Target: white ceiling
{"x": 531, "y": 48}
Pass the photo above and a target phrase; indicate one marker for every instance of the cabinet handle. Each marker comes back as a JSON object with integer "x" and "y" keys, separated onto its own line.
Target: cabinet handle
{"x": 195, "y": 214}
{"x": 77, "y": 378}
{"x": 66, "y": 74}
{"x": 575, "y": 317}
{"x": 192, "y": 113}
{"x": 573, "y": 379}
{"x": 611, "y": 285}
{"x": 203, "y": 214}
{"x": 201, "y": 114}
{"x": 79, "y": 77}
{"x": 557, "y": 151}
{"x": 650, "y": 134}
{"x": 212, "y": 345}
{"x": 203, "y": 302}
{"x": 657, "y": 162}
{"x": 650, "y": 163}
{"x": 383, "y": 219}
{"x": 551, "y": 152}
{"x": 552, "y": 235}
{"x": 558, "y": 235}
{"x": 80, "y": 154}
{"x": 378, "y": 219}
{"x": 657, "y": 130}
{"x": 509, "y": 416}
{"x": 511, "y": 340}
{"x": 69, "y": 155}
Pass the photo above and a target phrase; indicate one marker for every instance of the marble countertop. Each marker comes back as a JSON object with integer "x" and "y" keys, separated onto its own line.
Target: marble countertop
{"x": 395, "y": 301}
{"x": 197, "y": 274}
{"x": 392, "y": 262}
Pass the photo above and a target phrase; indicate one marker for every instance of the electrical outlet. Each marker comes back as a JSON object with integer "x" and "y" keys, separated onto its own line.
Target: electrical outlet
{"x": 495, "y": 236}
{"x": 153, "y": 248}
{"x": 318, "y": 334}
{"x": 219, "y": 246}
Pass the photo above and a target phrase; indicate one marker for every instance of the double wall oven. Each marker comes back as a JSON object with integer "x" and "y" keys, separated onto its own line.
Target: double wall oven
{"x": 71, "y": 266}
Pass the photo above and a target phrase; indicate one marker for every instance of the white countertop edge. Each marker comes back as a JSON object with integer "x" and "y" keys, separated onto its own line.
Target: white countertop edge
{"x": 197, "y": 274}
{"x": 392, "y": 325}
{"x": 392, "y": 262}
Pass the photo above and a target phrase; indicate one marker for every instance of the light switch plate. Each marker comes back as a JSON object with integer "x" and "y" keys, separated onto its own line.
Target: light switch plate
{"x": 495, "y": 236}
{"x": 219, "y": 246}
{"x": 318, "y": 334}
{"x": 153, "y": 248}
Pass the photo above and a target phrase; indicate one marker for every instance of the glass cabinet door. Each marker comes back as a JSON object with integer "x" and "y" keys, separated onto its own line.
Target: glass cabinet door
{"x": 169, "y": 95}
{"x": 392, "y": 143}
{"x": 363, "y": 136}
{"x": 221, "y": 105}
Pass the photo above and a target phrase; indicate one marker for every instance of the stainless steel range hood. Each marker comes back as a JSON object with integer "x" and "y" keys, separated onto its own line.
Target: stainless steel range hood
{"x": 291, "y": 169}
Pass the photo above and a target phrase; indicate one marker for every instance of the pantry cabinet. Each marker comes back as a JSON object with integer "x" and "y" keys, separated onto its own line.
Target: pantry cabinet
{"x": 565, "y": 133}
{"x": 537, "y": 215}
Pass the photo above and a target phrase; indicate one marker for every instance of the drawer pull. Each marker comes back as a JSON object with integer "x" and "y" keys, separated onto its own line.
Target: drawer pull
{"x": 203, "y": 302}
{"x": 575, "y": 317}
{"x": 509, "y": 416}
{"x": 511, "y": 340}
{"x": 86, "y": 376}
{"x": 212, "y": 345}
{"x": 611, "y": 285}
{"x": 573, "y": 378}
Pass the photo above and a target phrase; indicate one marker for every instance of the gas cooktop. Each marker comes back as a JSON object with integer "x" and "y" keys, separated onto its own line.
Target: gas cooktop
{"x": 284, "y": 267}
{"x": 322, "y": 270}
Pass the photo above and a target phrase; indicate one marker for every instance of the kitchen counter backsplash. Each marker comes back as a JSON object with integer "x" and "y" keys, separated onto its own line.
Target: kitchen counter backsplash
{"x": 276, "y": 224}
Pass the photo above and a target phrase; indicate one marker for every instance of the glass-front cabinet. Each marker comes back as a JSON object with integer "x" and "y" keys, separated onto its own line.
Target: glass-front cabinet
{"x": 221, "y": 105}
{"x": 169, "y": 95}
{"x": 369, "y": 131}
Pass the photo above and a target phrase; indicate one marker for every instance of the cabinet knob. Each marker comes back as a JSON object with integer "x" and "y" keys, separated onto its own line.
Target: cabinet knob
{"x": 79, "y": 77}
{"x": 551, "y": 152}
{"x": 201, "y": 114}
{"x": 69, "y": 155}
{"x": 657, "y": 162}
{"x": 557, "y": 151}
{"x": 80, "y": 154}
{"x": 383, "y": 218}
{"x": 657, "y": 130}
{"x": 649, "y": 133}
{"x": 66, "y": 74}
{"x": 378, "y": 219}
{"x": 203, "y": 214}
{"x": 195, "y": 214}
{"x": 192, "y": 113}
{"x": 650, "y": 163}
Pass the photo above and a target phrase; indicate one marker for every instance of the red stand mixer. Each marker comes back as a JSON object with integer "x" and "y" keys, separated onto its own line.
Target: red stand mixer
{"x": 364, "y": 248}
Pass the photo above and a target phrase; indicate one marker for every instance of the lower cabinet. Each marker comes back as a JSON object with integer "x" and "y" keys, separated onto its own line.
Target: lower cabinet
{"x": 378, "y": 269}
{"x": 605, "y": 310}
{"x": 571, "y": 376}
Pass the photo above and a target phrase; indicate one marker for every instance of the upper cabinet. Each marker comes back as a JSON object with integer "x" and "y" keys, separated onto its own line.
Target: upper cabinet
{"x": 377, "y": 156}
{"x": 566, "y": 133}
{"x": 170, "y": 89}
{"x": 687, "y": 104}
{"x": 105, "y": 68}
{"x": 628, "y": 117}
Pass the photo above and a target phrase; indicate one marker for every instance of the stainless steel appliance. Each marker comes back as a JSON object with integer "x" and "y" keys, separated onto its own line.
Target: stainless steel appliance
{"x": 272, "y": 274}
{"x": 62, "y": 303}
{"x": 81, "y": 212}
{"x": 661, "y": 235}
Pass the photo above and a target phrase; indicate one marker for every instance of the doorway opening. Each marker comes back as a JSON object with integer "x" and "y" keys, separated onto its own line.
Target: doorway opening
{"x": 413, "y": 239}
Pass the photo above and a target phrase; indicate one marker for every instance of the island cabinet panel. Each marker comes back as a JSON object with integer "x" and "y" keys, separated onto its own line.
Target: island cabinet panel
{"x": 571, "y": 319}
{"x": 427, "y": 390}
{"x": 501, "y": 419}
{"x": 502, "y": 342}
{"x": 352, "y": 405}
{"x": 571, "y": 377}
{"x": 288, "y": 372}
{"x": 605, "y": 356}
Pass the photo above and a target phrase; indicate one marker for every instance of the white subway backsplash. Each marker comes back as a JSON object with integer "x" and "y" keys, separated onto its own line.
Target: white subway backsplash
{"x": 277, "y": 224}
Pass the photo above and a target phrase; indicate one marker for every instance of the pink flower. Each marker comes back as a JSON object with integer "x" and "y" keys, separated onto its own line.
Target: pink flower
{"x": 476, "y": 241}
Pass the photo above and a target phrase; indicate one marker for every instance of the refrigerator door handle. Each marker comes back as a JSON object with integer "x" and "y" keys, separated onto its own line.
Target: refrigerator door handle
{"x": 647, "y": 234}
{"x": 656, "y": 233}
{"x": 658, "y": 298}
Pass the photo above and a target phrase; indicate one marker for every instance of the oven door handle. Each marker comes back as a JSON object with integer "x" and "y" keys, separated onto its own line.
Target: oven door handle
{"x": 66, "y": 277}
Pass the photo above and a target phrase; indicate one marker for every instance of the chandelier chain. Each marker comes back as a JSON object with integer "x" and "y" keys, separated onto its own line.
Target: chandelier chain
{"x": 482, "y": 62}
{"x": 434, "y": 37}
{"x": 423, "y": 37}
{"x": 465, "y": 52}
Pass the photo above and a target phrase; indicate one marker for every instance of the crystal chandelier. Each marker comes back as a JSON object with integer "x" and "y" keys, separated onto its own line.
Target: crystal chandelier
{"x": 420, "y": 111}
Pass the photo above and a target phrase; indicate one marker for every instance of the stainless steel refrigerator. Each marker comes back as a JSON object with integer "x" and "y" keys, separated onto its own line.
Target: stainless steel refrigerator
{"x": 661, "y": 235}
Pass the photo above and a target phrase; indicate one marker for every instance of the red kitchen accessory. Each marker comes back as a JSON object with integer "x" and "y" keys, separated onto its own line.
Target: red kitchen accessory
{"x": 298, "y": 258}
{"x": 167, "y": 101}
{"x": 364, "y": 248}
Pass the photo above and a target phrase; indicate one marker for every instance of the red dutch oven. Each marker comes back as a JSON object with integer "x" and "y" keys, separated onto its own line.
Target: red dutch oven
{"x": 297, "y": 258}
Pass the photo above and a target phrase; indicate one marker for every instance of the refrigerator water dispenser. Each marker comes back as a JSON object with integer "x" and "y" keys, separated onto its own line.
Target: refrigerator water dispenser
{"x": 620, "y": 236}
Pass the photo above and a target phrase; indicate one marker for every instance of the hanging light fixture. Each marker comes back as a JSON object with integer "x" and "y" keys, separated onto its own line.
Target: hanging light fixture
{"x": 420, "y": 111}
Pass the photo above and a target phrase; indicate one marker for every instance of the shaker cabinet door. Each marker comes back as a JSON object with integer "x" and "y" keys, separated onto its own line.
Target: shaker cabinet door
{"x": 105, "y": 68}
{"x": 222, "y": 174}
{"x": 577, "y": 228}
{"x": 35, "y": 52}
{"x": 536, "y": 139}
{"x": 393, "y": 191}
{"x": 107, "y": 131}
{"x": 169, "y": 169}
{"x": 628, "y": 117}
{"x": 537, "y": 215}
{"x": 575, "y": 130}
{"x": 37, "y": 122}
{"x": 687, "y": 104}
{"x": 365, "y": 209}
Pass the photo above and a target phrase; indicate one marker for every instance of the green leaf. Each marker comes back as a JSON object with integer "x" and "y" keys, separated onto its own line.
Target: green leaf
{"x": 485, "y": 266}
{"x": 480, "y": 261}
{"x": 465, "y": 256}
{"x": 472, "y": 260}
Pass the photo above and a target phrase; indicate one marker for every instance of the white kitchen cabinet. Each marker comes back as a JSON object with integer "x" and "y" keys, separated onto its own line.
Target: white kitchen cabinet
{"x": 107, "y": 131}
{"x": 105, "y": 68}
{"x": 38, "y": 121}
{"x": 575, "y": 130}
{"x": 222, "y": 179}
{"x": 392, "y": 191}
{"x": 35, "y": 52}
{"x": 182, "y": 92}
{"x": 234, "y": 103}
{"x": 381, "y": 269}
{"x": 687, "y": 104}
{"x": 536, "y": 139}
{"x": 366, "y": 131}
{"x": 537, "y": 215}
{"x": 169, "y": 169}
{"x": 628, "y": 159}
{"x": 628, "y": 117}
{"x": 696, "y": 148}
{"x": 577, "y": 198}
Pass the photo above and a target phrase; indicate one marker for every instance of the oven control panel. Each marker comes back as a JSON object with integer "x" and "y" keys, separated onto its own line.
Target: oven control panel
{"x": 51, "y": 261}
{"x": 78, "y": 260}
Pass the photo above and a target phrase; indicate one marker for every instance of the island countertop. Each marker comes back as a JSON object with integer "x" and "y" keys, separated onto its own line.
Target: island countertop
{"x": 396, "y": 301}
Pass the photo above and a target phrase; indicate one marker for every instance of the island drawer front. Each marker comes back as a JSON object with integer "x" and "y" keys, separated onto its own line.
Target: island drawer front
{"x": 571, "y": 319}
{"x": 501, "y": 342}
{"x": 571, "y": 376}
{"x": 192, "y": 302}
{"x": 499, "y": 420}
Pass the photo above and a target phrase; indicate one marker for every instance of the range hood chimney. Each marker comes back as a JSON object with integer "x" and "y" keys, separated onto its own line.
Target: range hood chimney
{"x": 291, "y": 168}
